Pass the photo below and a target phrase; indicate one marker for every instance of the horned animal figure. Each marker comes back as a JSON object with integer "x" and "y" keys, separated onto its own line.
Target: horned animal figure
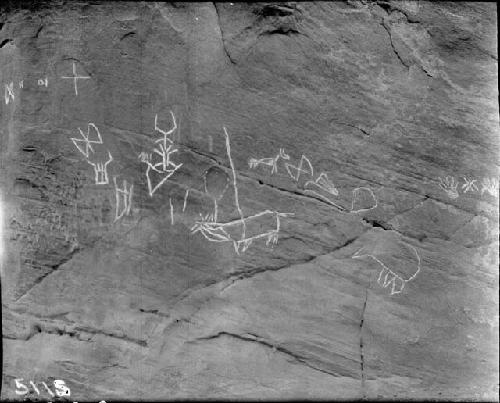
{"x": 271, "y": 161}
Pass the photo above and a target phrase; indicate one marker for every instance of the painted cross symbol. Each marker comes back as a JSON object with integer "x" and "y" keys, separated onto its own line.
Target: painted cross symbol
{"x": 76, "y": 77}
{"x": 469, "y": 185}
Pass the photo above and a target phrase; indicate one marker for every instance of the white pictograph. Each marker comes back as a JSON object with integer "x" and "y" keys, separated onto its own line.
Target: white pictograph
{"x": 144, "y": 156}
{"x": 84, "y": 144}
{"x": 216, "y": 183}
{"x": 324, "y": 183}
{"x": 323, "y": 188}
{"x": 75, "y": 78}
{"x": 296, "y": 171}
{"x": 9, "y": 93}
{"x": 21, "y": 84}
{"x": 400, "y": 263}
{"x": 363, "y": 199}
{"x": 469, "y": 185}
{"x": 271, "y": 161}
{"x": 159, "y": 170}
{"x": 490, "y": 185}
{"x": 264, "y": 225}
{"x": 244, "y": 231}
{"x": 185, "y": 200}
{"x": 171, "y": 211}
{"x": 449, "y": 185}
{"x": 123, "y": 199}
{"x": 43, "y": 81}
{"x": 210, "y": 144}
{"x": 101, "y": 172}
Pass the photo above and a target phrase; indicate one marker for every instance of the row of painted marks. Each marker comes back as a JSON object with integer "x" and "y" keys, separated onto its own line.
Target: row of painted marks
{"x": 159, "y": 163}
{"x": 160, "y": 166}
{"x": 60, "y": 388}
{"x": 86, "y": 145}
{"x": 363, "y": 198}
{"x": 398, "y": 262}
{"x": 10, "y": 88}
{"x": 451, "y": 186}
{"x": 244, "y": 231}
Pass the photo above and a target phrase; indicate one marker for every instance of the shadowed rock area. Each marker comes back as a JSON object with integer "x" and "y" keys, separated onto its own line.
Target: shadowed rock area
{"x": 249, "y": 201}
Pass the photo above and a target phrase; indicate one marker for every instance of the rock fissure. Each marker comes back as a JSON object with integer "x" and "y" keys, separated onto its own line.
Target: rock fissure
{"x": 371, "y": 222}
{"x": 424, "y": 196}
{"x": 388, "y": 30}
{"x": 53, "y": 268}
{"x": 123, "y": 337}
{"x": 353, "y": 126}
{"x": 389, "y": 8}
{"x": 361, "y": 344}
{"x": 223, "y": 41}
{"x": 296, "y": 193}
{"x": 72, "y": 330}
{"x": 37, "y": 33}
{"x": 262, "y": 183}
{"x": 252, "y": 338}
{"x": 233, "y": 278}
{"x": 343, "y": 147}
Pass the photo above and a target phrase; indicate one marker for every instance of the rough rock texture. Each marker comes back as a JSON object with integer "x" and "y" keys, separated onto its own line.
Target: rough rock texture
{"x": 361, "y": 260}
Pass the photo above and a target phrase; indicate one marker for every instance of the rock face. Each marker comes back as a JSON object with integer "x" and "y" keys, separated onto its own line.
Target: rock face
{"x": 265, "y": 201}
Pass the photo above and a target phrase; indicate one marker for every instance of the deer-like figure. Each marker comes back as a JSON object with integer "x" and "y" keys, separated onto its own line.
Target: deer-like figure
{"x": 271, "y": 161}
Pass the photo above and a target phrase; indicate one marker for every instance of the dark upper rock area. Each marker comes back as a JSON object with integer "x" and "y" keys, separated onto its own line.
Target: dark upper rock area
{"x": 249, "y": 200}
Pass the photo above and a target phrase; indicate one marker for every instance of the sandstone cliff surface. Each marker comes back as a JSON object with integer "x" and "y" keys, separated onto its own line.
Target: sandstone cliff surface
{"x": 249, "y": 201}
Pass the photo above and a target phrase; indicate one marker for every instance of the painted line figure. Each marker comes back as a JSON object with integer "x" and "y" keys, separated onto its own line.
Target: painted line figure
{"x": 271, "y": 162}
{"x": 323, "y": 184}
{"x": 299, "y": 169}
{"x": 490, "y": 185}
{"x": 216, "y": 182}
{"x": 123, "y": 199}
{"x": 75, "y": 78}
{"x": 9, "y": 93}
{"x": 171, "y": 211}
{"x": 399, "y": 263}
{"x": 244, "y": 231}
{"x": 185, "y": 200}
{"x": 43, "y": 82}
{"x": 263, "y": 225}
{"x": 101, "y": 172}
{"x": 363, "y": 199}
{"x": 449, "y": 185}
{"x": 160, "y": 167}
{"x": 469, "y": 185}
{"x": 84, "y": 144}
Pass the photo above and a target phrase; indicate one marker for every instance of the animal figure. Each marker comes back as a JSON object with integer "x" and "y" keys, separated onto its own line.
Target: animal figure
{"x": 264, "y": 225}
{"x": 272, "y": 162}
{"x": 398, "y": 261}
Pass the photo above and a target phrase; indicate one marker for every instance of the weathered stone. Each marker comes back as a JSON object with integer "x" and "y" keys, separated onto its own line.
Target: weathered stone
{"x": 265, "y": 201}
